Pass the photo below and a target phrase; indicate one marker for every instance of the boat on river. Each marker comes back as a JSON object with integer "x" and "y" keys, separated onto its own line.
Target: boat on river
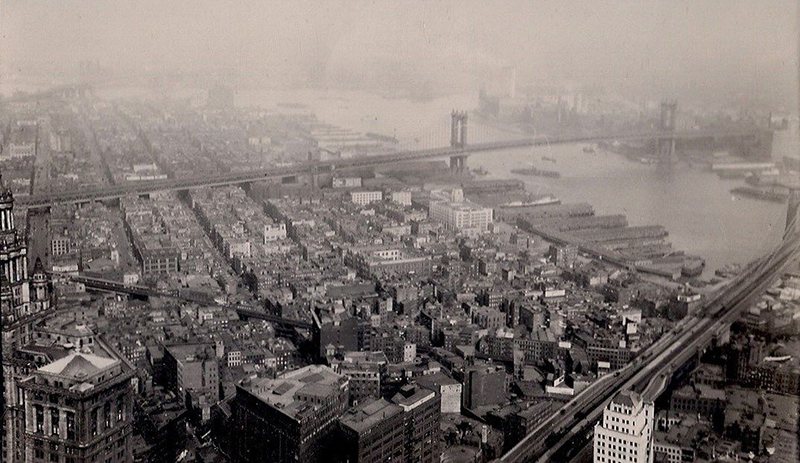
{"x": 534, "y": 172}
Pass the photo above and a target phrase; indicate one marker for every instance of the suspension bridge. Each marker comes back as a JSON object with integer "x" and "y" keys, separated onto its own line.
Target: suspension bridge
{"x": 455, "y": 141}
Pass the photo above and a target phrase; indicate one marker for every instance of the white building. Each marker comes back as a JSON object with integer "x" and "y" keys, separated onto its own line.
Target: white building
{"x": 346, "y": 182}
{"x": 409, "y": 352}
{"x": 402, "y": 197}
{"x": 625, "y": 433}
{"x": 22, "y": 142}
{"x": 274, "y": 232}
{"x": 238, "y": 247}
{"x": 363, "y": 198}
{"x": 456, "y": 213}
{"x": 21, "y": 149}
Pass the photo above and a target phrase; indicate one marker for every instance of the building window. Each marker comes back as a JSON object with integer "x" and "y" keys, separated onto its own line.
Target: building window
{"x": 54, "y": 421}
{"x": 107, "y": 415}
{"x": 71, "y": 425}
{"x": 120, "y": 409}
{"x": 39, "y": 418}
{"x": 95, "y": 421}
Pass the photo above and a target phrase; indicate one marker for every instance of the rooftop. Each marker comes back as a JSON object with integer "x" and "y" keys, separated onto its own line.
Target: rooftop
{"x": 291, "y": 391}
{"x": 79, "y": 371}
{"x": 78, "y": 365}
{"x": 410, "y": 397}
{"x": 628, "y": 399}
{"x": 190, "y": 352}
{"x": 369, "y": 414}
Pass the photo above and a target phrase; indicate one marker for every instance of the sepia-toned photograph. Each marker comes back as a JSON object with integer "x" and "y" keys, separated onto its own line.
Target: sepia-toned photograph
{"x": 373, "y": 231}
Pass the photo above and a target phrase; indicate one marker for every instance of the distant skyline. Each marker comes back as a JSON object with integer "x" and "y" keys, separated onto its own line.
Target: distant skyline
{"x": 742, "y": 52}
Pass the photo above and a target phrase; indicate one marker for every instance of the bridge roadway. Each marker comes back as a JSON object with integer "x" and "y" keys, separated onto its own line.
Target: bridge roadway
{"x": 116, "y": 191}
{"x": 658, "y": 361}
{"x": 144, "y": 291}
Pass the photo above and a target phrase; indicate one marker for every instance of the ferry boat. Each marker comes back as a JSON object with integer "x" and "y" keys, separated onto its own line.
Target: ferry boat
{"x": 542, "y": 201}
{"x": 534, "y": 172}
{"x": 756, "y": 193}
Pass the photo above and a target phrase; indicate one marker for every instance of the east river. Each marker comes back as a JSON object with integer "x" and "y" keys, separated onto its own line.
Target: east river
{"x": 694, "y": 205}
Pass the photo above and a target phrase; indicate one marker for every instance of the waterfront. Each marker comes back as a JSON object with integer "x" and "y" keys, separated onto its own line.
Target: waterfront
{"x": 695, "y": 206}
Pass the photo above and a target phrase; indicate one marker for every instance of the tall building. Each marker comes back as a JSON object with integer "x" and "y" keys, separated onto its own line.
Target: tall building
{"x": 22, "y": 308}
{"x": 373, "y": 432}
{"x": 290, "y": 418}
{"x": 15, "y": 294}
{"x": 421, "y": 417}
{"x": 625, "y": 433}
{"x": 192, "y": 368}
{"x": 79, "y": 409}
{"x": 484, "y": 385}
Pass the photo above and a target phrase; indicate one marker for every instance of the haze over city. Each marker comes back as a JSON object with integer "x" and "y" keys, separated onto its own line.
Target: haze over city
{"x": 372, "y": 231}
{"x": 714, "y": 49}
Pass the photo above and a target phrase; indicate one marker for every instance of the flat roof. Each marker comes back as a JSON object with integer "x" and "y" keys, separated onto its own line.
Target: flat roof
{"x": 286, "y": 392}
{"x": 369, "y": 414}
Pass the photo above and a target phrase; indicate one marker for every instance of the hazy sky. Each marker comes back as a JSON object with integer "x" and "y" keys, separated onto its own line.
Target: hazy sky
{"x": 723, "y": 47}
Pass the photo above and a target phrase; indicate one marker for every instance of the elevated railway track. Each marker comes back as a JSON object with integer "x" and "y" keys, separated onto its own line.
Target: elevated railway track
{"x": 651, "y": 370}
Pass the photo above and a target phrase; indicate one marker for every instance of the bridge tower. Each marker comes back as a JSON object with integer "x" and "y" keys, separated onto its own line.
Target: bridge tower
{"x": 794, "y": 208}
{"x": 458, "y": 139}
{"x": 458, "y": 129}
{"x": 666, "y": 124}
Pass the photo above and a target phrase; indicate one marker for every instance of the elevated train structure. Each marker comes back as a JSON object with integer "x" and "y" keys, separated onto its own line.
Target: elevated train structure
{"x": 245, "y": 312}
{"x": 654, "y": 368}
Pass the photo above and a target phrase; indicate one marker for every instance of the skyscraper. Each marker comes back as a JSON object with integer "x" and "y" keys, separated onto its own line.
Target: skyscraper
{"x": 625, "y": 433}
{"x": 290, "y": 418}
{"x": 15, "y": 294}
{"x": 79, "y": 409}
{"x": 22, "y": 307}
{"x": 421, "y": 417}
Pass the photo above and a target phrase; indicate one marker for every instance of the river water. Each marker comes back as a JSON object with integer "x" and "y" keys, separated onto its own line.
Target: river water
{"x": 694, "y": 205}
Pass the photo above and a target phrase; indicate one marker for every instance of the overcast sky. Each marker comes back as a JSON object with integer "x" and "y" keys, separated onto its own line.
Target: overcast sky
{"x": 724, "y": 47}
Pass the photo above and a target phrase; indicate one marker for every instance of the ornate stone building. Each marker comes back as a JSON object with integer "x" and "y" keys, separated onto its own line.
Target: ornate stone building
{"x": 25, "y": 300}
